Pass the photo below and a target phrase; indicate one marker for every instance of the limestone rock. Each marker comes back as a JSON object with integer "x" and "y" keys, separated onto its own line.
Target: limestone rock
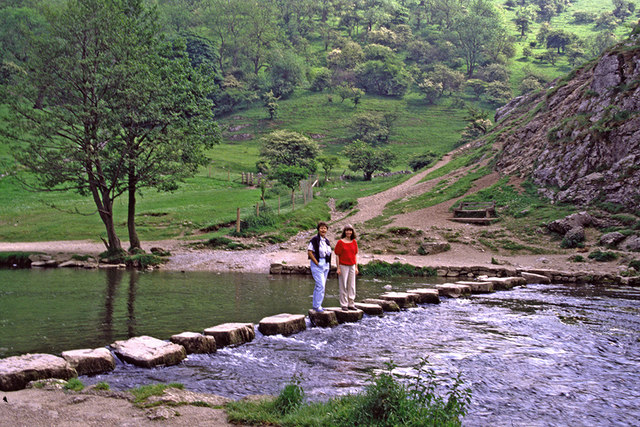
{"x": 612, "y": 239}
{"x": 426, "y": 295}
{"x": 282, "y": 324}
{"x": 535, "y": 278}
{"x": 403, "y": 299}
{"x": 17, "y": 371}
{"x": 505, "y": 283}
{"x": 72, "y": 263}
{"x": 431, "y": 248}
{"x": 562, "y": 226}
{"x": 228, "y": 334}
{"x": 370, "y": 309}
{"x": 90, "y": 361}
{"x": 453, "y": 290}
{"x": 324, "y": 319}
{"x": 387, "y": 305}
{"x": 194, "y": 342}
{"x": 631, "y": 243}
{"x": 176, "y": 396}
{"x": 147, "y": 352}
{"x": 346, "y": 316}
{"x": 478, "y": 287}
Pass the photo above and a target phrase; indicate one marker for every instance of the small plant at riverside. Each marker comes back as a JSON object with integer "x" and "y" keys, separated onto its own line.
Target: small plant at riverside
{"x": 15, "y": 259}
{"x": 77, "y": 257}
{"x": 102, "y": 386}
{"x": 142, "y": 393}
{"x": 603, "y": 256}
{"x": 384, "y": 269}
{"x": 577, "y": 258}
{"x": 290, "y": 398}
{"x": 74, "y": 384}
{"x": 143, "y": 260}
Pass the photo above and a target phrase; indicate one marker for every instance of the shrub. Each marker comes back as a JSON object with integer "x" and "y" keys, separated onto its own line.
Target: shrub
{"x": 423, "y": 160}
{"x": 74, "y": 384}
{"x": 102, "y": 386}
{"x": 601, "y": 256}
{"x": 576, "y": 258}
{"x": 635, "y": 264}
{"x": 218, "y": 242}
{"x": 346, "y": 204}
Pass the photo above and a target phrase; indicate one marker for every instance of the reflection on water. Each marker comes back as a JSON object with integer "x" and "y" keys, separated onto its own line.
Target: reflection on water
{"x": 538, "y": 355}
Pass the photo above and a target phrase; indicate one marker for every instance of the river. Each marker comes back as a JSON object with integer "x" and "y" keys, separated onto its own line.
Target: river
{"x": 534, "y": 356}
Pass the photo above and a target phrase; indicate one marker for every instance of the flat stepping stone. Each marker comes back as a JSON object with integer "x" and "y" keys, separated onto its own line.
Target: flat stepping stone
{"x": 453, "y": 290}
{"x": 403, "y": 299}
{"x": 535, "y": 278}
{"x": 478, "y": 287}
{"x": 88, "y": 361}
{"x": 387, "y": 305}
{"x": 370, "y": 309}
{"x": 194, "y": 342}
{"x": 228, "y": 334}
{"x": 323, "y": 319}
{"x": 426, "y": 295}
{"x": 282, "y": 324}
{"x": 346, "y": 316}
{"x": 505, "y": 283}
{"x": 17, "y": 371}
{"x": 148, "y": 352}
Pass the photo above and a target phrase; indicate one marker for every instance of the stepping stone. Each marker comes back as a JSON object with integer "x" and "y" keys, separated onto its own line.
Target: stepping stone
{"x": 17, "y": 371}
{"x": 505, "y": 283}
{"x": 324, "y": 319}
{"x": 387, "y": 305}
{"x": 426, "y": 295}
{"x": 282, "y": 324}
{"x": 194, "y": 342}
{"x": 478, "y": 287}
{"x": 452, "y": 290}
{"x": 403, "y": 299}
{"x": 370, "y": 309}
{"x": 89, "y": 361}
{"x": 148, "y": 352}
{"x": 228, "y": 334}
{"x": 346, "y": 316}
{"x": 535, "y": 278}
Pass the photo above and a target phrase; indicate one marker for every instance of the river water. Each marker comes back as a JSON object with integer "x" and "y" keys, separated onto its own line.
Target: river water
{"x": 534, "y": 356}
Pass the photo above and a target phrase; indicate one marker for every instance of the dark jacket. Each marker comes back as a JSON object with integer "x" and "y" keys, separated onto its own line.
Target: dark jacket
{"x": 315, "y": 241}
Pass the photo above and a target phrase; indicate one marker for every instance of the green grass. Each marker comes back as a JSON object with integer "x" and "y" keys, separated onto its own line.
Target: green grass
{"x": 142, "y": 393}
{"x": 384, "y": 269}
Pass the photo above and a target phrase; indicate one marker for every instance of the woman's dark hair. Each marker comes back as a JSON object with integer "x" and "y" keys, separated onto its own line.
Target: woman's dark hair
{"x": 344, "y": 232}
{"x": 320, "y": 224}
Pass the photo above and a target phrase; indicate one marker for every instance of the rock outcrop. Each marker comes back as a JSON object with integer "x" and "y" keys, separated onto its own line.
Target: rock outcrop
{"x": 17, "y": 371}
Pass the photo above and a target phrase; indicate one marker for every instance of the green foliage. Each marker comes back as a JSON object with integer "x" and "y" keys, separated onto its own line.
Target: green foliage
{"x": 370, "y": 127}
{"x": 603, "y": 256}
{"x": 102, "y": 386}
{"x": 365, "y": 158}
{"x": 74, "y": 384}
{"x": 143, "y": 260}
{"x": 346, "y": 204}
{"x": 635, "y": 264}
{"x": 144, "y": 392}
{"x": 576, "y": 258}
{"x": 290, "y": 398}
{"x": 420, "y": 161}
{"x": 15, "y": 259}
{"x": 287, "y": 148}
{"x": 219, "y": 242}
{"x": 378, "y": 268}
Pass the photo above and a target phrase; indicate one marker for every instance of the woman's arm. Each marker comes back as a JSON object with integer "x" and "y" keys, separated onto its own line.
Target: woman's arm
{"x": 313, "y": 257}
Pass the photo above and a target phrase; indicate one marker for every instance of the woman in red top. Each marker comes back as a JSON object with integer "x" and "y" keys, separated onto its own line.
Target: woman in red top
{"x": 346, "y": 251}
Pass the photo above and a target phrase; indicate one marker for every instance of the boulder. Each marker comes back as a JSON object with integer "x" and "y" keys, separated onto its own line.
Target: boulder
{"x": 17, "y": 371}
{"x": 403, "y": 299}
{"x": 282, "y": 324}
{"x": 323, "y": 319}
{"x": 580, "y": 219}
{"x": 72, "y": 263}
{"x": 387, "y": 305}
{"x": 370, "y": 309}
{"x": 631, "y": 243}
{"x": 535, "y": 278}
{"x": 426, "y": 295}
{"x": 453, "y": 290}
{"x": 194, "y": 342}
{"x": 147, "y": 352}
{"x": 611, "y": 240}
{"x": 478, "y": 287}
{"x": 89, "y": 361}
{"x": 432, "y": 248}
{"x": 346, "y": 316}
{"x": 231, "y": 333}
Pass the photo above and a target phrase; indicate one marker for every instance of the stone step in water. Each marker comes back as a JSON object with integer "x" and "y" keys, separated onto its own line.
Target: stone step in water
{"x": 323, "y": 319}
{"x": 478, "y": 287}
{"x": 453, "y": 290}
{"x": 387, "y": 305}
{"x": 427, "y": 295}
{"x": 89, "y": 361}
{"x": 535, "y": 278}
{"x": 17, "y": 371}
{"x": 148, "y": 352}
{"x": 504, "y": 283}
{"x": 403, "y": 299}
{"x": 370, "y": 309}
{"x": 282, "y": 324}
{"x": 194, "y": 342}
{"x": 346, "y": 316}
{"x": 227, "y": 334}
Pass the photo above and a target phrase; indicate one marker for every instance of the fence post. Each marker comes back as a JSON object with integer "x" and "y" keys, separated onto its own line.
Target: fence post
{"x": 257, "y": 209}
{"x": 278, "y": 204}
{"x": 229, "y": 174}
{"x": 237, "y": 220}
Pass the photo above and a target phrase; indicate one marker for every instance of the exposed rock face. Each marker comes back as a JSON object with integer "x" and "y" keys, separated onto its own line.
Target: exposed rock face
{"x": 90, "y": 361}
{"x": 148, "y": 352}
{"x": 583, "y": 142}
{"x": 17, "y": 371}
{"x": 611, "y": 239}
{"x": 576, "y": 220}
{"x": 631, "y": 243}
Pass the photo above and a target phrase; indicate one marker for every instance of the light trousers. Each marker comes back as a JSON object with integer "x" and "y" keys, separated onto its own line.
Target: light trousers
{"x": 320, "y": 273}
{"x": 347, "y": 285}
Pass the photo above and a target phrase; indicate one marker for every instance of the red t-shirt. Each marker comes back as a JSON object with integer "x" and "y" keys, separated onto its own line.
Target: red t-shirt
{"x": 347, "y": 252}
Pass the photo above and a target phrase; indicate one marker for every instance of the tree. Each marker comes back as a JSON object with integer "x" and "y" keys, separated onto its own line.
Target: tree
{"x": 290, "y": 176}
{"x": 370, "y": 127}
{"x": 285, "y": 71}
{"x": 328, "y": 163}
{"x": 271, "y": 104}
{"x": 363, "y": 157}
{"x": 286, "y": 148}
{"x": 559, "y": 39}
{"x": 450, "y": 80}
{"x": 388, "y": 77}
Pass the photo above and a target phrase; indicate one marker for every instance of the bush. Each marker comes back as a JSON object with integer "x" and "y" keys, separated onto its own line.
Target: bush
{"x": 635, "y": 264}
{"x": 576, "y": 258}
{"x": 346, "y": 204}
{"x": 102, "y": 386}
{"x": 74, "y": 384}
{"x": 601, "y": 256}
{"x": 423, "y": 160}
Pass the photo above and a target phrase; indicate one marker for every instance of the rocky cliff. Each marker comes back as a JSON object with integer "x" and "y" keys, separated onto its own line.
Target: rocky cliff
{"x": 580, "y": 139}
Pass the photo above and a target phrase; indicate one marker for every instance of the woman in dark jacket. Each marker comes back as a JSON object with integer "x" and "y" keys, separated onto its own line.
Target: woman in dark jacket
{"x": 319, "y": 252}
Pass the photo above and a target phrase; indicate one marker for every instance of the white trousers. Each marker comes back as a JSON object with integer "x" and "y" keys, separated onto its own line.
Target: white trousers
{"x": 347, "y": 285}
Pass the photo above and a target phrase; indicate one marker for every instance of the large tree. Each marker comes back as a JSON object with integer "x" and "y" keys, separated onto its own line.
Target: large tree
{"x": 93, "y": 110}
{"x": 287, "y": 148}
{"x": 363, "y": 157}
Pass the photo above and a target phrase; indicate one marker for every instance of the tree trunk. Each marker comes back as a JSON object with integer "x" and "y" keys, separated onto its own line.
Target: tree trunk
{"x": 293, "y": 201}
{"x": 105, "y": 210}
{"x": 134, "y": 241}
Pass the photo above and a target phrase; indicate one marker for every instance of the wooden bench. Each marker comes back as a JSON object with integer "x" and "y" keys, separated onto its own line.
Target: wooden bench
{"x": 475, "y": 212}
